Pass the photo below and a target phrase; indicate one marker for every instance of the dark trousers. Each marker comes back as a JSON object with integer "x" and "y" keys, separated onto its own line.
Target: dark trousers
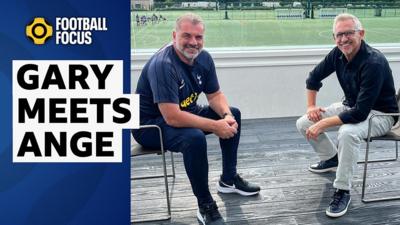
{"x": 191, "y": 142}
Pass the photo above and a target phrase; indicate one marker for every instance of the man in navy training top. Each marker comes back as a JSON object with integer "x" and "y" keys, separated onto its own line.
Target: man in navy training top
{"x": 169, "y": 87}
{"x": 367, "y": 82}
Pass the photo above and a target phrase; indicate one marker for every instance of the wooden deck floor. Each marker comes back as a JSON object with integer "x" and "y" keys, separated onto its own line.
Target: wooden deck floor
{"x": 274, "y": 155}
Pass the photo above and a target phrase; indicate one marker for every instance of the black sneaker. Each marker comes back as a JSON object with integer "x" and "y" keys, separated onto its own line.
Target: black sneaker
{"x": 325, "y": 165}
{"x": 339, "y": 204}
{"x": 208, "y": 214}
{"x": 237, "y": 185}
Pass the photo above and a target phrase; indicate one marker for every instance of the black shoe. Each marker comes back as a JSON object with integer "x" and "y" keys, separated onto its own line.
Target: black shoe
{"x": 208, "y": 214}
{"x": 325, "y": 165}
{"x": 237, "y": 185}
{"x": 339, "y": 204}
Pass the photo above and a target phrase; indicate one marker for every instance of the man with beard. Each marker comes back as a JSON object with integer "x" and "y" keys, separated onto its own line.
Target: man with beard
{"x": 367, "y": 82}
{"x": 169, "y": 87}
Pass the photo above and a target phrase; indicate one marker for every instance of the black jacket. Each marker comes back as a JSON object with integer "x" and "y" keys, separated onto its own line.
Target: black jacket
{"x": 367, "y": 82}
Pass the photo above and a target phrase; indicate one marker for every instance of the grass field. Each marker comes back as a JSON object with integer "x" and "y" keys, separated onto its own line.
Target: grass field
{"x": 261, "y": 28}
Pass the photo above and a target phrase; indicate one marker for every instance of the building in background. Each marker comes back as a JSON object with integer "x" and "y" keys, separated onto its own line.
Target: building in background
{"x": 142, "y": 4}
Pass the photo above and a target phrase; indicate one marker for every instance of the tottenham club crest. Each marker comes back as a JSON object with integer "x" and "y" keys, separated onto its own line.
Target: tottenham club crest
{"x": 199, "y": 78}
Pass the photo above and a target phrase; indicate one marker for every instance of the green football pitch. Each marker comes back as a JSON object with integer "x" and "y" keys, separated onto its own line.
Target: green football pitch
{"x": 258, "y": 28}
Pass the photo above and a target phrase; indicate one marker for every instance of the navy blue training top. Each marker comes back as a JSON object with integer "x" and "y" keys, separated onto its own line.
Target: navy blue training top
{"x": 166, "y": 79}
{"x": 366, "y": 80}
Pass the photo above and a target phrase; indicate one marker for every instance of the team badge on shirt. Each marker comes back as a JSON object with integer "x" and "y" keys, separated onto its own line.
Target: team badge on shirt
{"x": 199, "y": 78}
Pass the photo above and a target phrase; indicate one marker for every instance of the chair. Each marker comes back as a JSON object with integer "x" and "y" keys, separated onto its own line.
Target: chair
{"x": 138, "y": 150}
{"x": 392, "y": 135}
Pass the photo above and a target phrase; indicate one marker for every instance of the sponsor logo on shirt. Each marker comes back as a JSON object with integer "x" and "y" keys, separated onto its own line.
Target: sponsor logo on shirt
{"x": 182, "y": 84}
{"x": 189, "y": 100}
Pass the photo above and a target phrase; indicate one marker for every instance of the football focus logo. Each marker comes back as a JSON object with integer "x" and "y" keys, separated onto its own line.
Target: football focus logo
{"x": 39, "y": 31}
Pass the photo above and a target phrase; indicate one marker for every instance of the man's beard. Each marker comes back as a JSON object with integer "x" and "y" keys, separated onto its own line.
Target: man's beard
{"x": 187, "y": 55}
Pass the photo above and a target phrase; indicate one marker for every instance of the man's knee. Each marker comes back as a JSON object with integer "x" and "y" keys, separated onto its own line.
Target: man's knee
{"x": 236, "y": 112}
{"x": 303, "y": 123}
{"x": 194, "y": 141}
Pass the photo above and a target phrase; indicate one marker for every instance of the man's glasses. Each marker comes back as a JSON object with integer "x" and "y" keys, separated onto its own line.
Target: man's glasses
{"x": 348, "y": 34}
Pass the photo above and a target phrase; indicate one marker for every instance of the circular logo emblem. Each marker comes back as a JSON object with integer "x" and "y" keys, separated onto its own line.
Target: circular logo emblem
{"x": 39, "y": 30}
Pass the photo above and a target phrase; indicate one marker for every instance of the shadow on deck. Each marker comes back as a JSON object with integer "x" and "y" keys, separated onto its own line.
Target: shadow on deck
{"x": 275, "y": 156}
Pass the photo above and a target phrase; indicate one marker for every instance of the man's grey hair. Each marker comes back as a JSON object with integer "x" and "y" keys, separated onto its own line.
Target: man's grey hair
{"x": 347, "y": 16}
{"x": 191, "y": 17}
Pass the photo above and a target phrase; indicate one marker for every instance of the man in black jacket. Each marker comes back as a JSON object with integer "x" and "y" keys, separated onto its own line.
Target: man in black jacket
{"x": 367, "y": 82}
